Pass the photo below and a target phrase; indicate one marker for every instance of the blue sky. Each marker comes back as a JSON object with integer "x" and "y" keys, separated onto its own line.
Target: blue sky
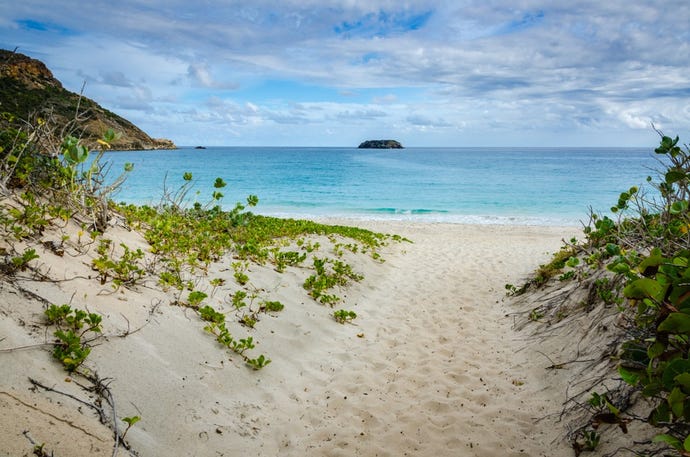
{"x": 334, "y": 73}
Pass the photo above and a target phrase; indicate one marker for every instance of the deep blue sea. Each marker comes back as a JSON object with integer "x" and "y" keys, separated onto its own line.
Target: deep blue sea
{"x": 543, "y": 186}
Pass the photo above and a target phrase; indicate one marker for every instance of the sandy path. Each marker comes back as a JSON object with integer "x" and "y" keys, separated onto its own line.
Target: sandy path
{"x": 436, "y": 372}
{"x": 430, "y": 367}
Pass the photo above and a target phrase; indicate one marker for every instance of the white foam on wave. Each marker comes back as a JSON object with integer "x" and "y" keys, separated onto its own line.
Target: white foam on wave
{"x": 428, "y": 217}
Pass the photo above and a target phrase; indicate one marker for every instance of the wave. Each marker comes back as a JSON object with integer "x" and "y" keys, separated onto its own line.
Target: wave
{"x": 419, "y": 211}
{"x": 419, "y": 215}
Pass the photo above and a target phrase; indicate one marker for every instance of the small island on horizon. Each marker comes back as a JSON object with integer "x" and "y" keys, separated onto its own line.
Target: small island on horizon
{"x": 380, "y": 144}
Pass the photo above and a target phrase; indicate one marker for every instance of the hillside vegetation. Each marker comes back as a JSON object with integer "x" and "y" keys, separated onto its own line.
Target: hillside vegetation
{"x": 28, "y": 91}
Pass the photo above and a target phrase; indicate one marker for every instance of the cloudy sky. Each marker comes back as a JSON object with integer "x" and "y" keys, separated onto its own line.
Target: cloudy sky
{"x": 333, "y": 73}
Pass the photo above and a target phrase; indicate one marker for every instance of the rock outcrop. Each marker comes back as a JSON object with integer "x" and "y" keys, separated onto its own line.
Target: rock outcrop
{"x": 380, "y": 144}
{"x": 28, "y": 90}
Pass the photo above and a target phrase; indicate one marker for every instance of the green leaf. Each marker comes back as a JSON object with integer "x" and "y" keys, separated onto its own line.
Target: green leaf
{"x": 74, "y": 152}
{"x": 675, "y": 400}
{"x": 596, "y": 400}
{"x": 110, "y": 135}
{"x": 679, "y": 207}
{"x": 619, "y": 267}
{"x": 656, "y": 349}
{"x": 615, "y": 411}
{"x": 196, "y": 297}
{"x": 613, "y": 249}
{"x": 668, "y": 439}
{"x": 683, "y": 380}
{"x": 686, "y": 443}
{"x": 674, "y": 175}
{"x": 131, "y": 420}
{"x": 644, "y": 288}
{"x": 573, "y": 262}
{"x": 629, "y": 376}
{"x": 680, "y": 297}
{"x": 675, "y": 323}
{"x": 653, "y": 260}
{"x": 673, "y": 369}
{"x": 660, "y": 414}
{"x": 667, "y": 145}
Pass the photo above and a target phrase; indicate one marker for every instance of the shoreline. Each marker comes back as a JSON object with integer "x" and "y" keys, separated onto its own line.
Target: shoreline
{"x": 403, "y": 223}
{"x": 466, "y": 186}
{"x": 431, "y": 365}
{"x": 456, "y": 219}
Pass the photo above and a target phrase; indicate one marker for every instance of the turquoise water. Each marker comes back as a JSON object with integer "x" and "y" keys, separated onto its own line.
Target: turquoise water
{"x": 546, "y": 186}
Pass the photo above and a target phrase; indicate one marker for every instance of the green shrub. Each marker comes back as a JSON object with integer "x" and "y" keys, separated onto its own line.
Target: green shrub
{"x": 656, "y": 359}
{"x": 71, "y": 347}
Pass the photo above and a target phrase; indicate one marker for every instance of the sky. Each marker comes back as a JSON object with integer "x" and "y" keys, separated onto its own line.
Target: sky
{"x": 431, "y": 73}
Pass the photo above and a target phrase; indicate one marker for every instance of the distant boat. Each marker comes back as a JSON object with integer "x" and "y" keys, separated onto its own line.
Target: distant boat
{"x": 200, "y": 147}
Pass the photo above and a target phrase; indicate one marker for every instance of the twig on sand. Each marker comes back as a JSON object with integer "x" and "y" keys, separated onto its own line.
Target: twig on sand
{"x": 100, "y": 412}
{"x": 53, "y": 416}
{"x": 558, "y": 366}
{"x": 102, "y": 390}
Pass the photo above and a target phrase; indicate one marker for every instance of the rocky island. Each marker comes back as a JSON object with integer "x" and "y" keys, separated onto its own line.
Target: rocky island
{"x": 380, "y": 144}
{"x": 28, "y": 91}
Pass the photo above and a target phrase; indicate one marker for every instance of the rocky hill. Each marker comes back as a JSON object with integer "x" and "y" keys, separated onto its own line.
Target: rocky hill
{"x": 29, "y": 90}
{"x": 380, "y": 144}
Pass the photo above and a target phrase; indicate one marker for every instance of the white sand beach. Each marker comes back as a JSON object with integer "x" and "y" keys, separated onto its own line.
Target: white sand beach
{"x": 431, "y": 366}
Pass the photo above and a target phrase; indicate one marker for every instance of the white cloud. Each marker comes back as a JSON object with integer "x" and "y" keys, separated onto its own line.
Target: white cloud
{"x": 578, "y": 68}
{"x": 385, "y": 99}
{"x": 200, "y": 74}
{"x": 427, "y": 122}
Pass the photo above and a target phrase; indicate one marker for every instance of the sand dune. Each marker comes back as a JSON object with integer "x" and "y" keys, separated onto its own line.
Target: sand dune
{"x": 430, "y": 367}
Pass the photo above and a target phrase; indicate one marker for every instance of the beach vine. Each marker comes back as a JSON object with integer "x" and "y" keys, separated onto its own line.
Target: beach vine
{"x": 50, "y": 183}
{"x": 184, "y": 238}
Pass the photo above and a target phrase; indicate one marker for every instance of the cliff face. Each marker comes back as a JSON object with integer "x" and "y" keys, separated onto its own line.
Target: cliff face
{"x": 28, "y": 90}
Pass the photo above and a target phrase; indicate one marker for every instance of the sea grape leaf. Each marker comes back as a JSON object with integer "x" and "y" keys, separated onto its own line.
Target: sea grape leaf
{"x": 653, "y": 260}
{"x": 668, "y": 439}
{"x": 644, "y": 288}
{"x": 679, "y": 207}
{"x": 673, "y": 369}
{"x": 675, "y": 323}
{"x": 613, "y": 249}
{"x": 667, "y": 145}
{"x": 681, "y": 259}
{"x": 674, "y": 175}
{"x": 683, "y": 380}
{"x": 656, "y": 349}
{"x": 629, "y": 376}
{"x": 660, "y": 414}
{"x": 680, "y": 297}
{"x": 675, "y": 400}
{"x": 619, "y": 268}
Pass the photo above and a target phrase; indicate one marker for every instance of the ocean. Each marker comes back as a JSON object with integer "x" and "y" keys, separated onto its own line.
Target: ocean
{"x": 535, "y": 186}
